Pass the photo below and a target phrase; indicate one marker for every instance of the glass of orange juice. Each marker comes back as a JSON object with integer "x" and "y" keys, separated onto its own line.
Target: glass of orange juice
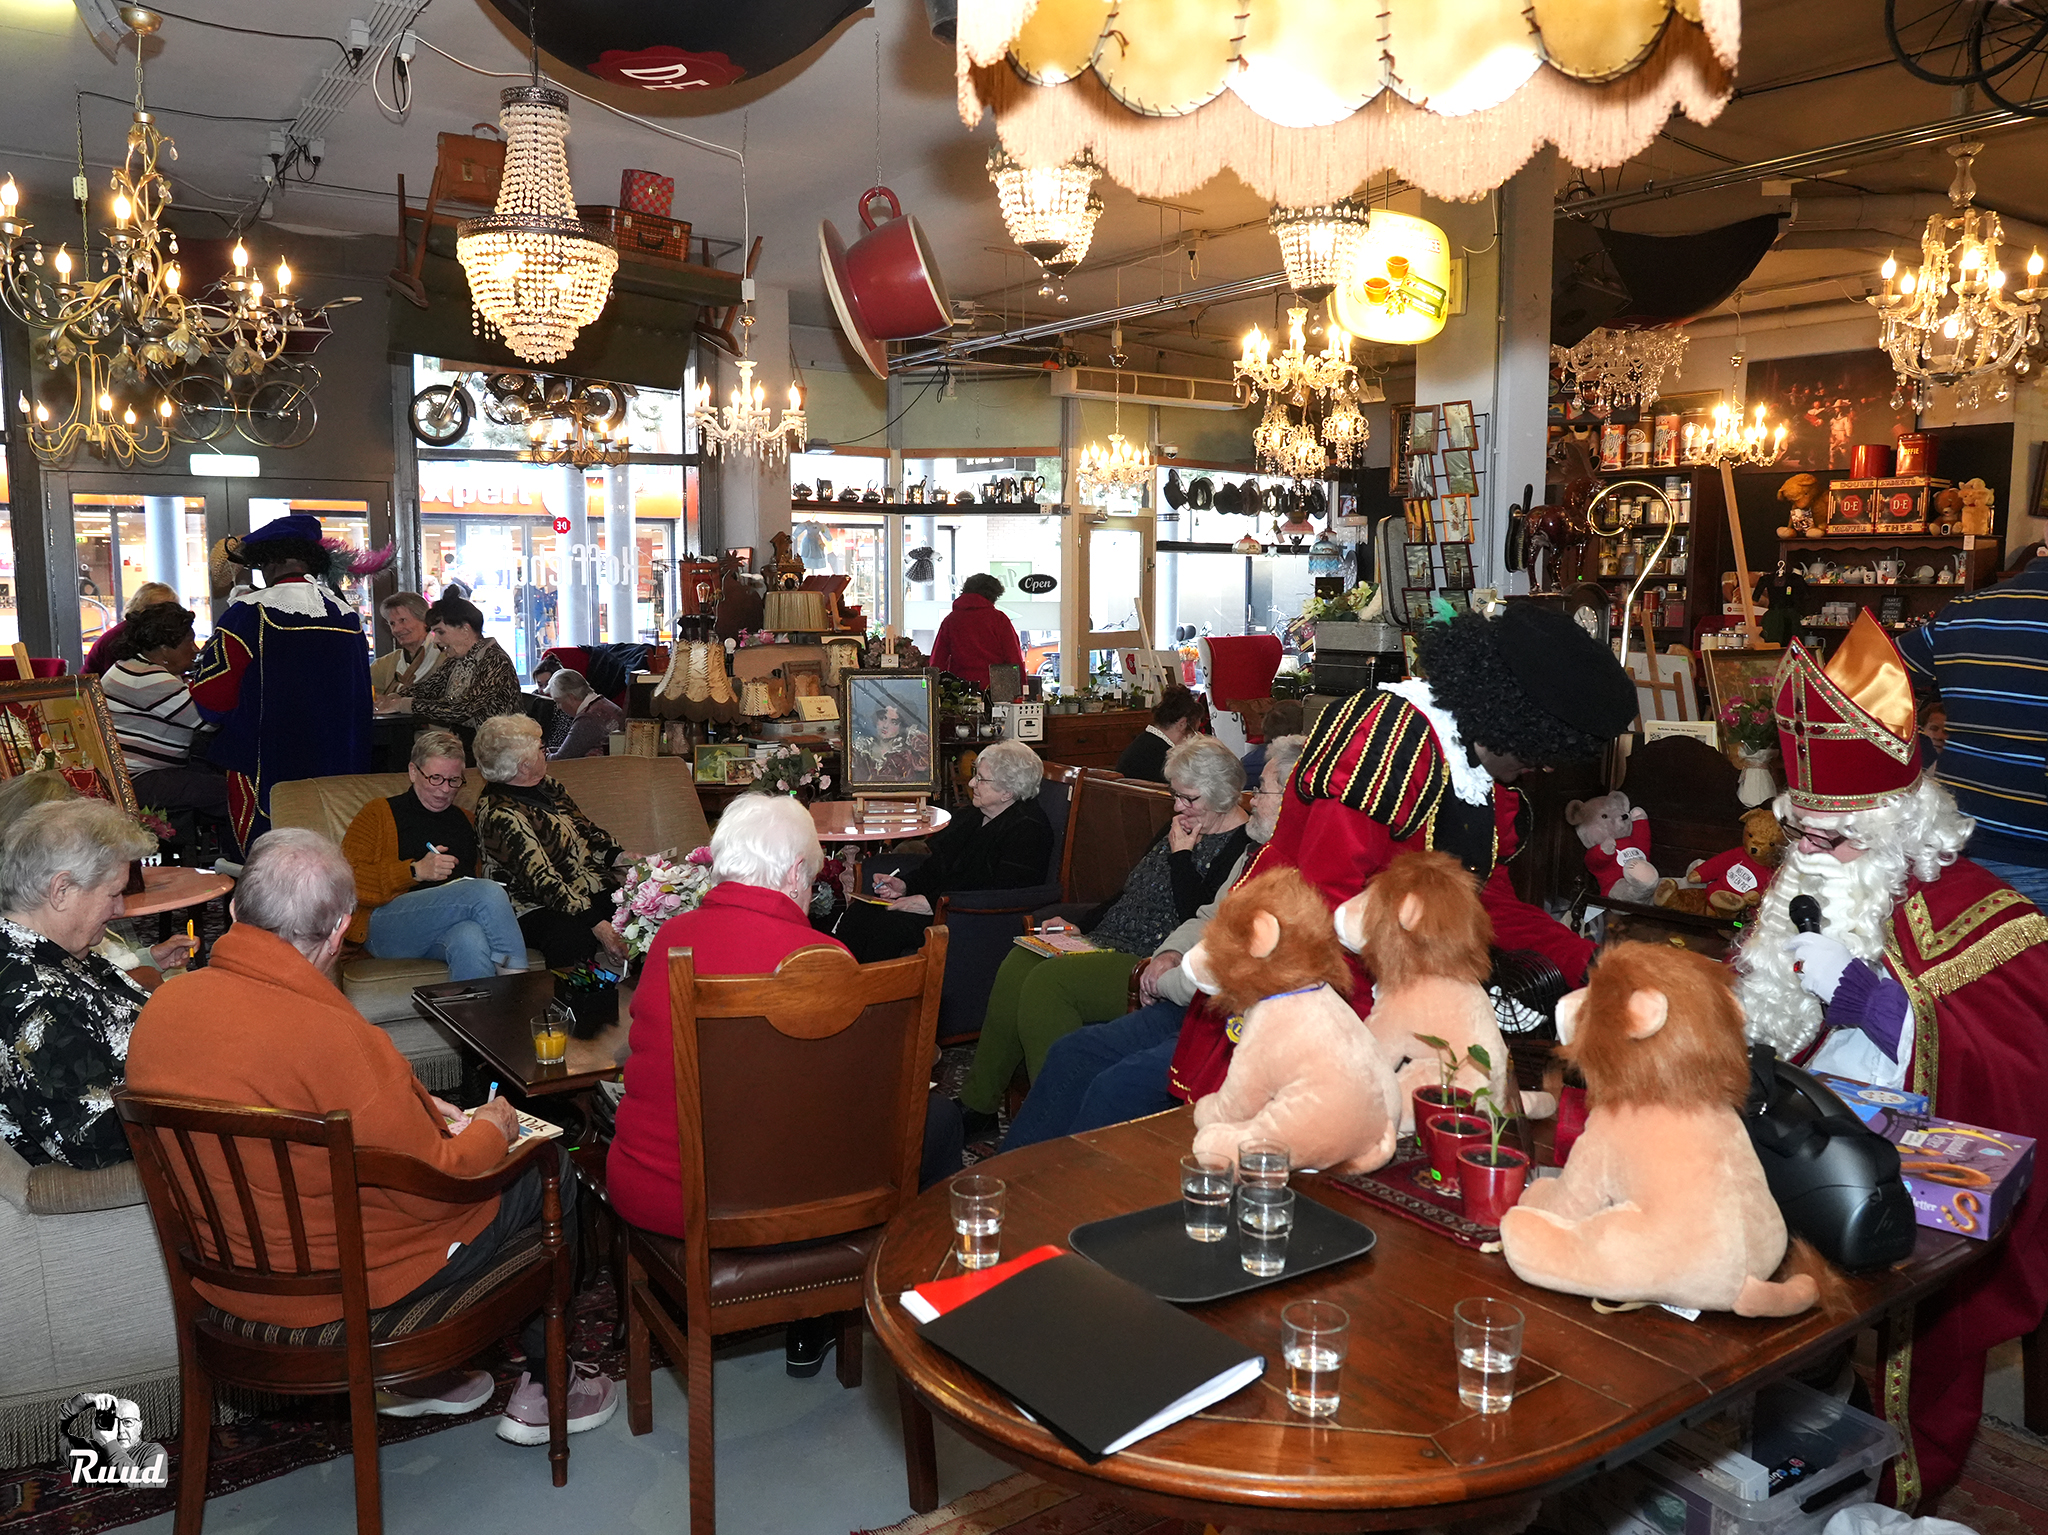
{"x": 550, "y": 1037}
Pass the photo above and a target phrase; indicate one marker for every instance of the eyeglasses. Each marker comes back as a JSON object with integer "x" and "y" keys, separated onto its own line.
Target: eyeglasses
{"x": 440, "y": 781}
{"x": 1795, "y": 833}
{"x": 1187, "y": 799}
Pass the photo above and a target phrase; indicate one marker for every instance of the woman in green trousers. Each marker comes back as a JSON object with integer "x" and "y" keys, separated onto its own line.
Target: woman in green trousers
{"x": 1038, "y": 999}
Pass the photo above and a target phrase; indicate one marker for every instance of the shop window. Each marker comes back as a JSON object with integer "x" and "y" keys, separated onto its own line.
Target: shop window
{"x": 653, "y": 420}
{"x": 124, "y": 542}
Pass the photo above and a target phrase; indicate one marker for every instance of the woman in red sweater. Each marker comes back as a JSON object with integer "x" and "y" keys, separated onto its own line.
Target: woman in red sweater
{"x": 976, "y": 634}
{"x": 765, "y": 857}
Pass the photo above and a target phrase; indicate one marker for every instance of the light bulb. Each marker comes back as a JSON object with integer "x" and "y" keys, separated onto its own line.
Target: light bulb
{"x": 10, "y": 194}
{"x": 255, "y": 289}
{"x": 1950, "y": 327}
{"x": 122, "y": 209}
{"x": 42, "y": 412}
{"x": 284, "y": 276}
{"x": 1890, "y": 269}
{"x": 1997, "y": 278}
{"x": 1973, "y": 257}
{"x": 22, "y": 401}
{"x": 172, "y": 277}
{"x": 1906, "y": 283}
{"x": 128, "y": 416}
{"x": 2034, "y": 263}
{"x": 163, "y": 407}
{"x": 62, "y": 262}
{"x": 241, "y": 257}
{"x": 106, "y": 402}
{"x": 796, "y": 401}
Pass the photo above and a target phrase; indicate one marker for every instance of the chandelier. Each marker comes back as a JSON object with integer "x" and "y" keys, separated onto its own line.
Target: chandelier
{"x": 537, "y": 273}
{"x": 1731, "y": 439}
{"x": 568, "y": 421}
{"x": 1296, "y": 373}
{"x": 1301, "y": 454}
{"x": 1320, "y": 245}
{"x": 746, "y": 426}
{"x": 1345, "y": 431}
{"x": 1050, "y": 211}
{"x": 1118, "y": 466}
{"x": 1618, "y": 369}
{"x": 1951, "y": 322}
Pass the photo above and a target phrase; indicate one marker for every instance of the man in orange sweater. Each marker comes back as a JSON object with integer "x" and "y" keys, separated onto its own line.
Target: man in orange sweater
{"x": 263, "y": 1025}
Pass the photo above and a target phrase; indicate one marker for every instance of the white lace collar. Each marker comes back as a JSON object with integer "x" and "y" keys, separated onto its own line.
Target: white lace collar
{"x": 1470, "y": 782}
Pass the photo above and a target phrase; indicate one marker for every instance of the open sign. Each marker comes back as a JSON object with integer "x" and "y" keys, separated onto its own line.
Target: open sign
{"x": 1038, "y": 584}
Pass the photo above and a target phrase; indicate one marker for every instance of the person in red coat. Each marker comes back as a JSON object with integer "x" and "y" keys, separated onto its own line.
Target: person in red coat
{"x": 765, "y": 857}
{"x": 976, "y": 634}
{"x": 1924, "y": 972}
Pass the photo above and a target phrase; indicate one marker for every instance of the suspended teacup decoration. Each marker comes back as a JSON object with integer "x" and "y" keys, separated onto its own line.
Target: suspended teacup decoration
{"x": 886, "y": 286}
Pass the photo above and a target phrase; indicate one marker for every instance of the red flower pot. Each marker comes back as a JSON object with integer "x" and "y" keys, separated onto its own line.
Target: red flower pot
{"x": 1490, "y": 1181}
{"x": 1570, "y": 1123}
{"x": 1427, "y": 1101}
{"x": 1449, "y": 1134}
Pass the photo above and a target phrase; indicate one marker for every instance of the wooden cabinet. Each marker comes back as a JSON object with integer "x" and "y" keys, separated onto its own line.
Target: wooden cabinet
{"x": 1091, "y": 740}
{"x": 1855, "y": 561}
{"x": 1689, "y": 575}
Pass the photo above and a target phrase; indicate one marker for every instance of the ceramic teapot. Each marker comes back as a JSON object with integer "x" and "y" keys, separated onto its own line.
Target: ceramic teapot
{"x": 1029, "y": 487}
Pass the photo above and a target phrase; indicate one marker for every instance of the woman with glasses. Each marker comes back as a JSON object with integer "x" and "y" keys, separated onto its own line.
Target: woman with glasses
{"x": 1038, "y": 1000}
{"x": 415, "y": 862}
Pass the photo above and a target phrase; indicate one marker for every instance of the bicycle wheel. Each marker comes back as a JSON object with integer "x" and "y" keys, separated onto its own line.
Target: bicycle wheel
{"x": 2010, "y": 56}
{"x": 441, "y": 414}
{"x": 200, "y": 410}
{"x": 1932, "y": 37}
{"x": 279, "y": 415}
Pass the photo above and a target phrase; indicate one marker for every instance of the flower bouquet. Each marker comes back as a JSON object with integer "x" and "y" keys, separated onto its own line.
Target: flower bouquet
{"x": 792, "y": 770}
{"x": 655, "y": 889}
{"x": 1749, "y": 730}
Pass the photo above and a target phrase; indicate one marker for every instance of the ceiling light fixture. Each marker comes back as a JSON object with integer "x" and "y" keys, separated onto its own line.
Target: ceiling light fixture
{"x": 1610, "y": 369}
{"x": 1320, "y": 246}
{"x": 1050, "y": 211}
{"x": 747, "y": 426}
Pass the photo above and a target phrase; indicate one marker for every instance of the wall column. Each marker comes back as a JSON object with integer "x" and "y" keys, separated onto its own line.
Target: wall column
{"x": 162, "y": 519}
{"x": 578, "y": 625}
{"x": 625, "y": 553}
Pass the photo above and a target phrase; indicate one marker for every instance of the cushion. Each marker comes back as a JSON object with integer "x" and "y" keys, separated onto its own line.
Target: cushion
{"x": 756, "y": 1273}
{"x": 517, "y": 1256}
{"x": 55, "y": 1190}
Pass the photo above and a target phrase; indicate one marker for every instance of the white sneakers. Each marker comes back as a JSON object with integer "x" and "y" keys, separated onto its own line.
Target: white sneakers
{"x": 593, "y": 1398}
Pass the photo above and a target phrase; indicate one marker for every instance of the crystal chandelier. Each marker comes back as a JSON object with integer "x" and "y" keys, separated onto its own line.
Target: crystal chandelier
{"x": 1618, "y": 369}
{"x": 1731, "y": 438}
{"x": 1118, "y": 466}
{"x": 1049, "y": 211}
{"x": 1319, "y": 246}
{"x": 1345, "y": 431}
{"x": 747, "y": 426}
{"x": 537, "y": 273}
{"x": 1301, "y": 454}
{"x": 1951, "y": 322}
{"x": 1296, "y": 373}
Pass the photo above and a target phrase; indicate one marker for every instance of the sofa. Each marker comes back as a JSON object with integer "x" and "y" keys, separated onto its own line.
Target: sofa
{"x": 648, "y": 803}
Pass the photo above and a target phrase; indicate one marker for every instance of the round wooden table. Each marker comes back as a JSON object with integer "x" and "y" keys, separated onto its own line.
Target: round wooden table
{"x": 836, "y": 822}
{"x": 1401, "y": 1451}
{"x": 170, "y": 887}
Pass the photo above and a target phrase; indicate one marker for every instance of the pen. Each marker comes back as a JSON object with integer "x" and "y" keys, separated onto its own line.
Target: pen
{"x": 191, "y": 928}
{"x": 494, "y": 1094}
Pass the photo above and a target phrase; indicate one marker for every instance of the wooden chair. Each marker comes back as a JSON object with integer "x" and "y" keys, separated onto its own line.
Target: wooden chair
{"x": 800, "y": 1099}
{"x": 192, "y": 1155}
{"x": 1112, "y": 822}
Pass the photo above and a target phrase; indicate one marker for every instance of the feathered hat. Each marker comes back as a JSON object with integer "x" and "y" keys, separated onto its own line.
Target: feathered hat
{"x": 1847, "y": 729}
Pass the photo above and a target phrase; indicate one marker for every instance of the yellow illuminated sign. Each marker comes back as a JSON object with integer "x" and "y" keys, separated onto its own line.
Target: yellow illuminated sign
{"x": 1400, "y": 290}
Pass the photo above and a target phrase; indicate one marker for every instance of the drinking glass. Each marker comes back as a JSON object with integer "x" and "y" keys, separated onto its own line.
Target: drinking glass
{"x": 978, "y": 1220}
{"x": 1265, "y": 1216}
{"x": 1205, "y": 1196}
{"x": 1263, "y": 1162}
{"x": 1314, "y": 1338}
{"x": 550, "y": 1037}
{"x": 1488, "y": 1337}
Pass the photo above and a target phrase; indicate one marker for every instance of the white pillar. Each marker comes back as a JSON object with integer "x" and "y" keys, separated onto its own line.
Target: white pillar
{"x": 578, "y": 621}
{"x": 1497, "y": 353}
{"x": 754, "y": 497}
{"x": 625, "y": 553}
{"x": 162, "y": 526}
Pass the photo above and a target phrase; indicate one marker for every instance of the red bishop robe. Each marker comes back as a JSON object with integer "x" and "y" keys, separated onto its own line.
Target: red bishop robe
{"x": 1972, "y": 953}
{"x": 1371, "y": 785}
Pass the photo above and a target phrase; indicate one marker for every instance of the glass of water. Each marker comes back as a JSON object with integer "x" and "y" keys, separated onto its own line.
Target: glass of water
{"x": 1265, "y": 1216}
{"x": 1314, "y": 1337}
{"x": 1263, "y": 1162}
{"x": 978, "y": 1220}
{"x": 1205, "y": 1196}
{"x": 1488, "y": 1337}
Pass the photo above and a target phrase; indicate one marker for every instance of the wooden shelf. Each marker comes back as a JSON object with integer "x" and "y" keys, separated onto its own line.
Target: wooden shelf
{"x": 1889, "y": 586}
{"x": 1822, "y": 542}
{"x": 934, "y": 508}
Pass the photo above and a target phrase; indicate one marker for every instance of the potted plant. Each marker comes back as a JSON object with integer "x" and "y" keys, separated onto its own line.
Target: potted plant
{"x": 1749, "y": 730}
{"x": 1431, "y": 1101}
{"x": 1451, "y": 1131}
{"x": 1490, "y": 1177}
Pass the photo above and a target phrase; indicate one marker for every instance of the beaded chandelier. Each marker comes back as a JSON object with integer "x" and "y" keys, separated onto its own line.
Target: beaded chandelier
{"x": 1050, "y": 211}
{"x": 537, "y": 273}
{"x": 1319, "y": 245}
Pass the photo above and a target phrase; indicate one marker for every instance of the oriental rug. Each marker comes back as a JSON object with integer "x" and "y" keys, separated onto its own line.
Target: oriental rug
{"x": 302, "y": 1431}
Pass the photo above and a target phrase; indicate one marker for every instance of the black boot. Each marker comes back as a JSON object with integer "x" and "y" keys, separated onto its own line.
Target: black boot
{"x": 805, "y": 1345}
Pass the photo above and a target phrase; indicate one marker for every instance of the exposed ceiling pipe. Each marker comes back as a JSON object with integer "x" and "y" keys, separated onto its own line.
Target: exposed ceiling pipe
{"x": 1882, "y": 221}
{"x": 1755, "y": 321}
{"x": 1919, "y": 136}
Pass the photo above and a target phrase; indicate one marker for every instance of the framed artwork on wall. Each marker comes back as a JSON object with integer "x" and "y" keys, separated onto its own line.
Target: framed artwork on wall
{"x": 62, "y": 724}
{"x": 1459, "y": 429}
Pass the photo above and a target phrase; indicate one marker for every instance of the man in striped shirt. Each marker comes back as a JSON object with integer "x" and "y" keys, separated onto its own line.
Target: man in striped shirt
{"x": 154, "y": 715}
{"x": 1987, "y": 655}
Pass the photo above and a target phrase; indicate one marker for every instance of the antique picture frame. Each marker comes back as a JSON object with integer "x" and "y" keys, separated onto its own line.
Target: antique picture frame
{"x": 1421, "y": 528}
{"x": 709, "y": 764}
{"x": 891, "y": 719}
{"x": 1461, "y": 474}
{"x": 1460, "y": 431}
{"x": 1459, "y": 598}
{"x": 1419, "y": 434}
{"x": 62, "y": 723}
{"x": 1457, "y": 519}
{"x": 1420, "y": 569}
{"x": 1733, "y": 674}
{"x": 1458, "y": 565}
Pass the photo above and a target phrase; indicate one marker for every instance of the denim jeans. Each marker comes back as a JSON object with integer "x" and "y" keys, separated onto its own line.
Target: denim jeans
{"x": 467, "y": 923}
{"x": 1101, "y": 1075}
{"x": 2028, "y": 880}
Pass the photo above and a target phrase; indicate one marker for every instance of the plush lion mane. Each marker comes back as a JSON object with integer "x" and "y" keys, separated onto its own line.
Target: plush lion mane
{"x": 1308, "y": 952}
{"x": 1445, "y": 934}
{"x": 1696, "y": 1058}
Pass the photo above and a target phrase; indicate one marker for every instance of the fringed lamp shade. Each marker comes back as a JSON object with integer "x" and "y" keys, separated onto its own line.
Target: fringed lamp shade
{"x": 1050, "y": 212}
{"x": 537, "y": 273}
{"x": 1164, "y": 94}
{"x": 1319, "y": 245}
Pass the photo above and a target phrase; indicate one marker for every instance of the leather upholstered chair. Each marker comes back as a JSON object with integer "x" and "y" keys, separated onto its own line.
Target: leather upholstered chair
{"x": 800, "y": 1101}
{"x": 198, "y": 1163}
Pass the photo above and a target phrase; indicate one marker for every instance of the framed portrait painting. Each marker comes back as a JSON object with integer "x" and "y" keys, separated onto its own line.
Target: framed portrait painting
{"x": 889, "y": 718}
{"x": 61, "y": 723}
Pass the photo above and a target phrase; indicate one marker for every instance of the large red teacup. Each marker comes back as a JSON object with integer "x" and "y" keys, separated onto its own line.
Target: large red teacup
{"x": 894, "y": 280}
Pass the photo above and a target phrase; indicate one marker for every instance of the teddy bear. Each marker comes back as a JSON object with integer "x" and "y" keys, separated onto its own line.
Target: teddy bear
{"x": 1974, "y": 514}
{"x": 1663, "y": 1200}
{"x": 1305, "y": 1072}
{"x": 1800, "y": 492}
{"x": 1421, "y": 930}
{"x": 1729, "y": 882}
{"x": 1617, "y": 841}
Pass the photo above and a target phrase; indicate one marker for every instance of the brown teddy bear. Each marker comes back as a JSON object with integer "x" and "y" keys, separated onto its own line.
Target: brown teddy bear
{"x": 1978, "y": 503}
{"x": 1423, "y": 933}
{"x": 1663, "y": 1200}
{"x": 1732, "y": 881}
{"x": 1617, "y": 842}
{"x": 1800, "y": 492}
{"x": 1305, "y": 1072}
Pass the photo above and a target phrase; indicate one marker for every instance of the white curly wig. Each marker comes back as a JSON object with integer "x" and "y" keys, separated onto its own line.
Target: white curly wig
{"x": 1918, "y": 832}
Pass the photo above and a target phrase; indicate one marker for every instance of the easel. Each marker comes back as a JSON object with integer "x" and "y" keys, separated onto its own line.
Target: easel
{"x": 1743, "y": 578}
{"x": 24, "y": 669}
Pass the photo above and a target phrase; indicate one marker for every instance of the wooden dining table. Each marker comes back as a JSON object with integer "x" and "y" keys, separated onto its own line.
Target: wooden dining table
{"x": 1592, "y": 1390}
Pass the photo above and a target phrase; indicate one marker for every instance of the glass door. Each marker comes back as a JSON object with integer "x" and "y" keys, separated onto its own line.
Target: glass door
{"x": 355, "y": 512}
{"x": 1116, "y": 558}
{"x": 132, "y": 529}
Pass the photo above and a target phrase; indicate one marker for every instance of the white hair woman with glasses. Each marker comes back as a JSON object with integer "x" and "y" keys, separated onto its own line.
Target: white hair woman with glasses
{"x": 65, "y": 1013}
{"x": 553, "y": 860}
{"x": 1003, "y": 843}
{"x": 1037, "y": 999}
{"x": 415, "y": 861}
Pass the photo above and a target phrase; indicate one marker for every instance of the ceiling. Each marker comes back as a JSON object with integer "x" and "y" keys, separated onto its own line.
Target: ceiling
{"x": 814, "y": 138}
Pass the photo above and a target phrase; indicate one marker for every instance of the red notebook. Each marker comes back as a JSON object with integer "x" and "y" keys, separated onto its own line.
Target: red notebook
{"x": 931, "y": 1301}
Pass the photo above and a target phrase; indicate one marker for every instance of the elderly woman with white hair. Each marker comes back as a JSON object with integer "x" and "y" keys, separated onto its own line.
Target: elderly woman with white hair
{"x": 553, "y": 860}
{"x": 1004, "y": 842}
{"x": 1037, "y": 1000}
{"x": 764, "y": 858}
{"x": 65, "y": 1013}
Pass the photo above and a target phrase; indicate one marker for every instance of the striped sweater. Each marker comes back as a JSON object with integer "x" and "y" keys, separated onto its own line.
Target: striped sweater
{"x": 154, "y": 715}
{"x": 1987, "y": 654}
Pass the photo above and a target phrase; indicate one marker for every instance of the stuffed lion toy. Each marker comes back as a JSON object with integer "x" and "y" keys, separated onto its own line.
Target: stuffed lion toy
{"x": 1663, "y": 1201}
{"x": 1305, "y": 1072}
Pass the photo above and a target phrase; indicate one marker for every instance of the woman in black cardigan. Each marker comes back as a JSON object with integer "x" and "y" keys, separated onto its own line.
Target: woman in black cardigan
{"x": 1003, "y": 843}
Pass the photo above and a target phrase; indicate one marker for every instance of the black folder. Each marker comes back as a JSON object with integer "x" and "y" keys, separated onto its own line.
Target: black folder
{"x": 1097, "y": 1360}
